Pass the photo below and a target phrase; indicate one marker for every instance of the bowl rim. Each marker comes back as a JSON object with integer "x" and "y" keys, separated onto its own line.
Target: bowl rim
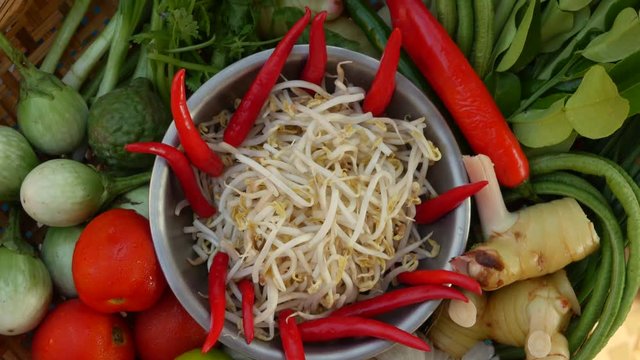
{"x": 186, "y": 295}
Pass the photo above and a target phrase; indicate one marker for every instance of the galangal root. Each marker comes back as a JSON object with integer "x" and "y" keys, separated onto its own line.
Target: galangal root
{"x": 531, "y": 242}
{"x": 530, "y": 313}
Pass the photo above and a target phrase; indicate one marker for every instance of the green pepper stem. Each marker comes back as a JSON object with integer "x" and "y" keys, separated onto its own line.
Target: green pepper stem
{"x": 11, "y": 238}
{"x": 120, "y": 185}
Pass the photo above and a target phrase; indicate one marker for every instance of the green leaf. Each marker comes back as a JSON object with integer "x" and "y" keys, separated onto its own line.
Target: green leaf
{"x": 526, "y": 42}
{"x": 538, "y": 128}
{"x": 596, "y": 110}
{"x": 506, "y": 90}
{"x": 508, "y": 31}
{"x": 573, "y": 5}
{"x": 555, "y": 21}
{"x": 617, "y": 43}
{"x": 561, "y": 147}
{"x": 580, "y": 19}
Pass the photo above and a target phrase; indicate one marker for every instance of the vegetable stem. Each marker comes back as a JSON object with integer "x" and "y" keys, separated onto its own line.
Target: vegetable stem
{"x": 117, "y": 186}
{"x": 11, "y": 238}
{"x": 16, "y": 57}
{"x": 183, "y": 64}
{"x": 81, "y": 69}
{"x": 66, "y": 31}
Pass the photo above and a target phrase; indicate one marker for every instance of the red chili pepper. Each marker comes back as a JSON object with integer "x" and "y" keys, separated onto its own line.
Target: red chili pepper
{"x": 316, "y": 63}
{"x": 332, "y": 328}
{"x": 433, "y": 209}
{"x": 183, "y": 171}
{"x": 379, "y": 95}
{"x": 197, "y": 150}
{"x": 290, "y": 336}
{"x": 425, "y": 277}
{"x": 460, "y": 88}
{"x": 248, "y": 299}
{"x": 217, "y": 298}
{"x": 398, "y": 298}
{"x": 245, "y": 116}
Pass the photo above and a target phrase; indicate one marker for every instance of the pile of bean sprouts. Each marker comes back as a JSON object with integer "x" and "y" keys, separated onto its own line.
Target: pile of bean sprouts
{"x": 317, "y": 205}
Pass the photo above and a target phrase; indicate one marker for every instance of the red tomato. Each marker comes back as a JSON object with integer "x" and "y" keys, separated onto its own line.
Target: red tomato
{"x": 75, "y": 331}
{"x": 114, "y": 264}
{"x": 166, "y": 330}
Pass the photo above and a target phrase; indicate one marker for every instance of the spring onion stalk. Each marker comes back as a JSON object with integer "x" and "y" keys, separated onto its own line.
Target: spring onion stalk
{"x": 64, "y": 34}
{"x": 90, "y": 89}
{"x": 17, "y": 159}
{"x": 64, "y": 192}
{"x": 25, "y": 285}
{"x": 318, "y": 202}
{"x": 51, "y": 115}
{"x": 80, "y": 70}
{"x": 126, "y": 23}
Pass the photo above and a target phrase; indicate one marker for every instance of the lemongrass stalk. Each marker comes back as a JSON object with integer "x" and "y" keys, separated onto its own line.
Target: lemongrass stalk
{"x": 64, "y": 34}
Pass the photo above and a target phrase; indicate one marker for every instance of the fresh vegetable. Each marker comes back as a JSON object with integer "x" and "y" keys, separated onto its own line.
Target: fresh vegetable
{"x": 196, "y": 354}
{"x": 314, "y": 67}
{"x": 439, "y": 277}
{"x": 523, "y": 244}
{"x": 333, "y": 328}
{"x": 290, "y": 336}
{"x": 133, "y": 113}
{"x": 57, "y": 254}
{"x": 461, "y": 90}
{"x": 62, "y": 192}
{"x": 394, "y": 299}
{"x": 484, "y": 13}
{"x": 114, "y": 264}
{"x": 51, "y": 115}
{"x": 63, "y": 35}
{"x": 247, "y": 112}
{"x": 25, "y": 285}
{"x": 377, "y": 32}
{"x": 217, "y": 298}
{"x": 15, "y": 154}
{"x": 182, "y": 169}
{"x": 200, "y": 155}
{"x": 165, "y": 330}
{"x": 530, "y": 313}
{"x": 447, "y": 15}
{"x": 136, "y": 199}
{"x": 75, "y": 331}
{"x": 344, "y": 32}
{"x": 248, "y": 299}
{"x": 379, "y": 94}
{"x": 464, "y": 30}
{"x": 431, "y": 210}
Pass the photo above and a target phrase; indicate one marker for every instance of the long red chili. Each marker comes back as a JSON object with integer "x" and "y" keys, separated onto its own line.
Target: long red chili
{"x": 332, "y": 328}
{"x": 395, "y": 299}
{"x": 248, "y": 298}
{"x": 317, "y": 61}
{"x": 461, "y": 90}
{"x": 433, "y": 209}
{"x": 183, "y": 171}
{"x": 197, "y": 150}
{"x": 245, "y": 116}
{"x": 441, "y": 277}
{"x": 290, "y": 336}
{"x": 379, "y": 95}
{"x": 217, "y": 298}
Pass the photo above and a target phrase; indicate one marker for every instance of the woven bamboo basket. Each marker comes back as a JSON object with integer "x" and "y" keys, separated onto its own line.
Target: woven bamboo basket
{"x": 31, "y": 25}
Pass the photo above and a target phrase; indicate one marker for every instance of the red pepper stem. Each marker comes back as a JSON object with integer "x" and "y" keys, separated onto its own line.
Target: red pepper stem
{"x": 431, "y": 210}
{"x": 251, "y": 104}
{"x": 183, "y": 171}
{"x": 381, "y": 91}
{"x": 395, "y": 299}
{"x": 316, "y": 63}
{"x": 460, "y": 88}
{"x": 333, "y": 328}
{"x": 290, "y": 336}
{"x": 248, "y": 299}
{"x": 217, "y": 298}
{"x": 196, "y": 148}
{"x": 440, "y": 277}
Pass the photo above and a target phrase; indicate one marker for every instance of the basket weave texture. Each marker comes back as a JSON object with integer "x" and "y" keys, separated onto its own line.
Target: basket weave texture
{"x": 31, "y": 26}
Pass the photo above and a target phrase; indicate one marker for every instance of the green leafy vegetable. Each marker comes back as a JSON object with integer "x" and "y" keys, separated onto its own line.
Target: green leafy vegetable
{"x": 506, "y": 90}
{"x": 555, "y": 21}
{"x": 526, "y": 41}
{"x": 538, "y": 128}
{"x": 617, "y": 43}
{"x": 573, "y": 5}
{"x": 580, "y": 19}
{"x": 596, "y": 110}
